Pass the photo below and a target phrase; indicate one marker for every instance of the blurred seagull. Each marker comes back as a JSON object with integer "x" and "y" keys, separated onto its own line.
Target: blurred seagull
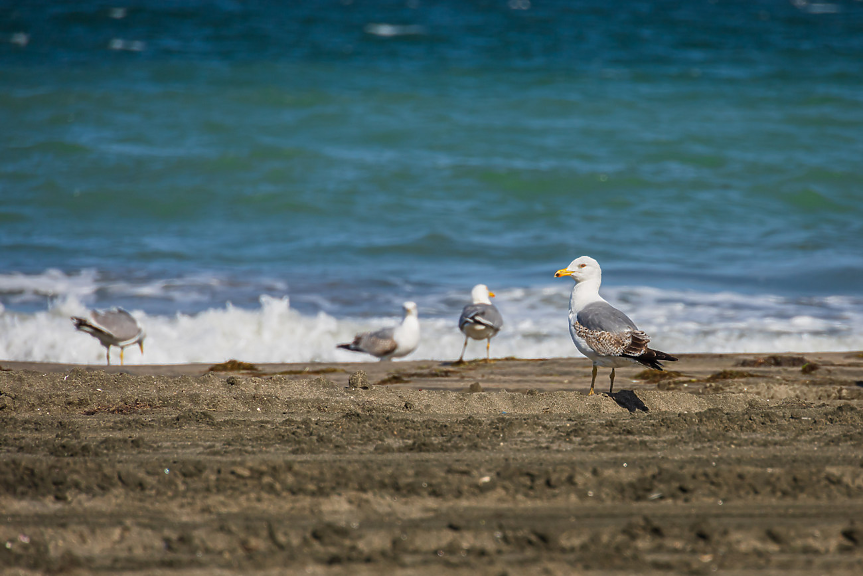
{"x": 388, "y": 343}
{"x": 114, "y": 327}
{"x": 601, "y": 332}
{"x": 480, "y": 320}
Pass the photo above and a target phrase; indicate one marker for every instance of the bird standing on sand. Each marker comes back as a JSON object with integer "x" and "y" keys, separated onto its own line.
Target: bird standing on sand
{"x": 114, "y": 327}
{"x": 600, "y": 331}
{"x": 480, "y": 320}
{"x": 389, "y": 343}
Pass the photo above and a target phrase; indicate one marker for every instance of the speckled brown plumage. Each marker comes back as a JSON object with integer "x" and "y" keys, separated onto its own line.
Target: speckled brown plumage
{"x": 629, "y": 343}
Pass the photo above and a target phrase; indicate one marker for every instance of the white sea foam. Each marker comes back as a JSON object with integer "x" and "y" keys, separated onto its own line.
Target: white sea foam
{"x": 87, "y": 284}
{"x": 20, "y": 287}
{"x": 536, "y": 318}
{"x": 390, "y": 30}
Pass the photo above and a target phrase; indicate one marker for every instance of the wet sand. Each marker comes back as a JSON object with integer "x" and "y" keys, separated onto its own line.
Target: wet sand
{"x": 736, "y": 464}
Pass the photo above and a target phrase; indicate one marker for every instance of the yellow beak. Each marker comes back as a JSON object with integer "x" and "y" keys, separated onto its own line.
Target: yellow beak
{"x": 563, "y": 272}
{"x": 491, "y": 294}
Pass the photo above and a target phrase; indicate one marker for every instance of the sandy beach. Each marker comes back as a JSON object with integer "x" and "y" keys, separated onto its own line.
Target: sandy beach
{"x": 735, "y": 464}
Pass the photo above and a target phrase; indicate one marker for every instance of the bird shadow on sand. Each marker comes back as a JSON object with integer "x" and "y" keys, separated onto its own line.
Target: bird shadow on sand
{"x": 629, "y": 400}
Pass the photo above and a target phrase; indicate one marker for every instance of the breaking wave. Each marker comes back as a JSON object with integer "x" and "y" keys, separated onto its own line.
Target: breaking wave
{"x": 273, "y": 331}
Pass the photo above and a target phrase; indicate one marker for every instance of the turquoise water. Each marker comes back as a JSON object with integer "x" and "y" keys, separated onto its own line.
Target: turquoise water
{"x": 351, "y": 155}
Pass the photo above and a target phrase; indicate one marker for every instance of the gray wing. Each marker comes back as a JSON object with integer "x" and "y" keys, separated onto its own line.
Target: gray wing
{"x": 485, "y": 314}
{"x": 378, "y": 343}
{"x": 603, "y": 317}
{"x": 118, "y": 323}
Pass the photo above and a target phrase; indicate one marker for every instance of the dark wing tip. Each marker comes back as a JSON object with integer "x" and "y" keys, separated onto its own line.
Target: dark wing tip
{"x": 651, "y": 358}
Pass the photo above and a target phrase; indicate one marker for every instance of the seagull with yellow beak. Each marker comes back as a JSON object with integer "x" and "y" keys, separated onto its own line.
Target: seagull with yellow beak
{"x": 599, "y": 330}
{"x": 480, "y": 320}
{"x": 114, "y": 327}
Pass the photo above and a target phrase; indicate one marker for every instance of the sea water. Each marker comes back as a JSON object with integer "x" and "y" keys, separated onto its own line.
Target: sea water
{"x": 262, "y": 180}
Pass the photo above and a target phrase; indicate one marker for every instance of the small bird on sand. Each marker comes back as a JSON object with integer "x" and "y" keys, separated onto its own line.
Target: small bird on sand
{"x": 601, "y": 332}
{"x": 388, "y": 343}
{"x": 480, "y": 320}
{"x": 114, "y": 327}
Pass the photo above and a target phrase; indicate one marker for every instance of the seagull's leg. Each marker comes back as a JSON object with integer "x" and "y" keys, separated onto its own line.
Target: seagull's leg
{"x": 610, "y": 388}
{"x": 463, "y": 348}
{"x": 488, "y": 350}
{"x": 592, "y": 380}
{"x": 108, "y": 354}
{"x": 121, "y": 355}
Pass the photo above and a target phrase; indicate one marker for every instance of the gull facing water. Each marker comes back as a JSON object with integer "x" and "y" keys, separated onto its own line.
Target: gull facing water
{"x": 114, "y": 327}
{"x": 389, "y": 343}
{"x": 600, "y": 331}
{"x": 480, "y": 320}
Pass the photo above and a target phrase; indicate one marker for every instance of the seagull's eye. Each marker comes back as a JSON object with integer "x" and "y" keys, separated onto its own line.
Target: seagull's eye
{"x": 582, "y": 265}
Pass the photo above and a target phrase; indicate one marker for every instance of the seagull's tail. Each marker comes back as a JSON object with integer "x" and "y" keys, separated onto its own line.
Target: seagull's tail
{"x": 352, "y": 347}
{"x": 651, "y": 358}
{"x": 85, "y": 325}
{"x": 636, "y": 349}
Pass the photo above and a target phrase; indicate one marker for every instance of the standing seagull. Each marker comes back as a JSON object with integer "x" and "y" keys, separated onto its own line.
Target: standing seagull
{"x": 600, "y": 331}
{"x": 114, "y": 327}
{"x": 388, "y": 343}
{"x": 480, "y": 320}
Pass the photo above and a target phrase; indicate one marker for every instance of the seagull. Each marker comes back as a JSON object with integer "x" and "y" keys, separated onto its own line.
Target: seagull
{"x": 114, "y": 327}
{"x": 600, "y": 331}
{"x": 480, "y": 320}
{"x": 388, "y": 343}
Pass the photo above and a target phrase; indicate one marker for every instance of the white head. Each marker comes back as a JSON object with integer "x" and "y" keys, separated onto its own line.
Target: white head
{"x": 582, "y": 269}
{"x": 410, "y": 308}
{"x": 481, "y": 294}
